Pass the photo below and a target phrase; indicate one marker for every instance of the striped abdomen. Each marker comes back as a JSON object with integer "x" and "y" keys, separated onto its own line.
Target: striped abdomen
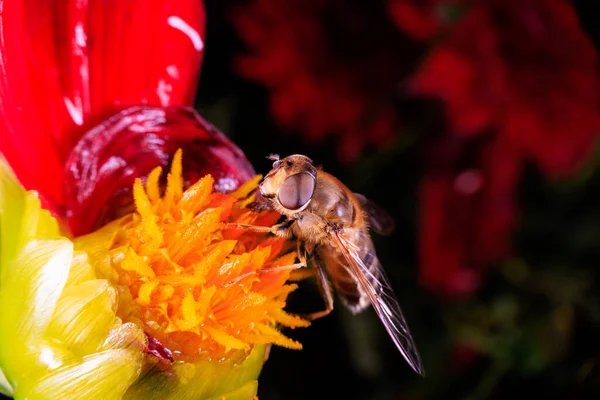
{"x": 341, "y": 273}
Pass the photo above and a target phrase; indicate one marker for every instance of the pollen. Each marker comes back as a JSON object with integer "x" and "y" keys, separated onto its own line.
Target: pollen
{"x": 200, "y": 290}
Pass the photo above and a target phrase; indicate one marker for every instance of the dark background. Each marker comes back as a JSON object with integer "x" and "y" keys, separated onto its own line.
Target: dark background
{"x": 502, "y": 341}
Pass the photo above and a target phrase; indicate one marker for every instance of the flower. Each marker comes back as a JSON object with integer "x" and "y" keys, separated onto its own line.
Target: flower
{"x": 519, "y": 83}
{"x": 524, "y": 69}
{"x": 124, "y": 290}
{"x": 89, "y": 73}
{"x": 331, "y": 68}
{"x": 467, "y": 212}
{"x": 86, "y": 72}
{"x": 57, "y": 323}
{"x": 422, "y": 20}
{"x": 190, "y": 284}
{"x": 102, "y": 167}
{"x": 139, "y": 308}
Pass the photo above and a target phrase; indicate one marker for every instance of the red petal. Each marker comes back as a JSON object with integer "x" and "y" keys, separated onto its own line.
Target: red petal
{"x": 30, "y": 106}
{"x": 102, "y": 167}
{"x": 443, "y": 265}
{"x": 531, "y": 75}
{"x": 466, "y": 214}
{"x": 141, "y": 52}
{"x": 68, "y": 64}
{"x": 332, "y": 68}
{"x": 418, "y": 19}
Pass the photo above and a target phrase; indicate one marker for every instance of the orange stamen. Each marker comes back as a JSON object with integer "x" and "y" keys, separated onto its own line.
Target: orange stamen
{"x": 197, "y": 288}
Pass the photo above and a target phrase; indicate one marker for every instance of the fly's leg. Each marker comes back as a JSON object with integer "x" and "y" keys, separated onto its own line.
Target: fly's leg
{"x": 302, "y": 274}
{"x": 324, "y": 289}
{"x": 302, "y": 263}
{"x": 264, "y": 270}
{"x": 282, "y": 229}
{"x": 258, "y": 206}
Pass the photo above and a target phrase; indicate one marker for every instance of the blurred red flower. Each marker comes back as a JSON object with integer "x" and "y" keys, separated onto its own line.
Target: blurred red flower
{"x": 524, "y": 68}
{"x": 467, "y": 211}
{"x": 518, "y": 80}
{"x": 523, "y": 76}
{"x": 420, "y": 19}
{"x": 66, "y": 66}
{"x": 332, "y": 67}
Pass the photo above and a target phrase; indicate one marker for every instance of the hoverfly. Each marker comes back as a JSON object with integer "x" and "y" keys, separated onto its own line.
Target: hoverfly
{"x": 332, "y": 225}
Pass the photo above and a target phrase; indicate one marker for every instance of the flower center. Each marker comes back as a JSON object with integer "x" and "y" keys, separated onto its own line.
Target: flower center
{"x": 200, "y": 290}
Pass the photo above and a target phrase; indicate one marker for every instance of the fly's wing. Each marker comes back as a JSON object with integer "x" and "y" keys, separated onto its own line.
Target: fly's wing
{"x": 380, "y": 220}
{"x": 380, "y": 293}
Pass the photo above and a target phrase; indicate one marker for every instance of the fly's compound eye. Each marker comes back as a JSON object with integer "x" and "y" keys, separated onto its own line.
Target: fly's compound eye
{"x": 296, "y": 191}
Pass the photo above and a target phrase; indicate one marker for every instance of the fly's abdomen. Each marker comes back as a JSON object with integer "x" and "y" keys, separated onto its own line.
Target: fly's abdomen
{"x": 345, "y": 284}
{"x": 342, "y": 276}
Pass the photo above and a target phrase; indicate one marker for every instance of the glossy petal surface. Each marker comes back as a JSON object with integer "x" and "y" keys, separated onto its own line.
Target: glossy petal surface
{"x": 103, "y": 166}
{"x": 65, "y": 66}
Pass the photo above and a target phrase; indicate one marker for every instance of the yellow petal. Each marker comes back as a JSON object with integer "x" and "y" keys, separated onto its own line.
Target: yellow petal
{"x": 31, "y": 288}
{"x": 21, "y": 217}
{"x": 97, "y": 243}
{"x": 142, "y": 202}
{"x": 136, "y": 263}
{"x": 215, "y": 256}
{"x": 197, "y": 196}
{"x": 81, "y": 271}
{"x": 84, "y": 316}
{"x": 225, "y": 340}
{"x": 247, "y": 187}
{"x": 103, "y": 376}
{"x": 174, "y": 181}
{"x": 41, "y": 357}
{"x": 145, "y": 293}
{"x": 291, "y": 321}
{"x": 37, "y": 222}
{"x": 30, "y": 362}
{"x": 152, "y": 187}
{"x": 124, "y": 336}
{"x": 188, "y": 312}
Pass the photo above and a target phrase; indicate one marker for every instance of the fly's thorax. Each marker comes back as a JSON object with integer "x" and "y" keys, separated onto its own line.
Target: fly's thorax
{"x": 333, "y": 201}
{"x": 311, "y": 228}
